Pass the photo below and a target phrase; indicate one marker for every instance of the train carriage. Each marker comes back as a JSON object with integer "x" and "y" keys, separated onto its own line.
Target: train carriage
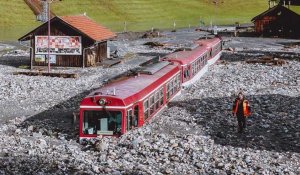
{"x": 194, "y": 63}
{"x": 122, "y": 105}
{"x": 131, "y": 101}
{"x": 214, "y": 47}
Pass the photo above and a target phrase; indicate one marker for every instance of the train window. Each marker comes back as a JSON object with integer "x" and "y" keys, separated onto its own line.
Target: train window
{"x": 194, "y": 68}
{"x": 178, "y": 77}
{"x": 175, "y": 85}
{"x": 186, "y": 73}
{"x": 146, "y": 109}
{"x": 168, "y": 90}
{"x": 161, "y": 95}
{"x": 102, "y": 122}
{"x": 135, "y": 116}
{"x": 157, "y": 100}
{"x": 178, "y": 82}
{"x": 171, "y": 87}
{"x": 152, "y": 104}
{"x": 129, "y": 120}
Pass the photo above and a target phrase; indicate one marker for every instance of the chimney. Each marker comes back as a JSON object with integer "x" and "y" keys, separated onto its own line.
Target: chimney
{"x": 289, "y": 4}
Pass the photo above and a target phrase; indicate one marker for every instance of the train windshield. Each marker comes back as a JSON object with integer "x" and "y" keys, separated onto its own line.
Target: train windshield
{"x": 102, "y": 122}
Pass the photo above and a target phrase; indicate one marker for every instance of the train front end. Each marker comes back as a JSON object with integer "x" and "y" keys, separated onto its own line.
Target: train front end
{"x": 100, "y": 115}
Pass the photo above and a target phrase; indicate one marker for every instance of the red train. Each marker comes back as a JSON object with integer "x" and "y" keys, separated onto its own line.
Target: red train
{"x": 131, "y": 101}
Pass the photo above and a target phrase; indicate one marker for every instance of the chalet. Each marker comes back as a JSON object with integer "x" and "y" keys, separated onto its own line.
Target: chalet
{"x": 278, "y": 21}
{"x": 75, "y": 41}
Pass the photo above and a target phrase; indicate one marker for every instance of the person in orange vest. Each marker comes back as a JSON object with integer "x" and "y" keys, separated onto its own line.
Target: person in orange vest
{"x": 241, "y": 110}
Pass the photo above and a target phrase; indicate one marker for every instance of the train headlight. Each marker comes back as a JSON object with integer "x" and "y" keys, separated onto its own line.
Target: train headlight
{"x": 102, "y": 101}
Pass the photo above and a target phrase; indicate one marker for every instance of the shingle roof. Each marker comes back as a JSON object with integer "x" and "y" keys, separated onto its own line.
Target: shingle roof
{"x": 81, "y": 24}
{"x": 273, "y": 11}
{"x": 89, "y": 27}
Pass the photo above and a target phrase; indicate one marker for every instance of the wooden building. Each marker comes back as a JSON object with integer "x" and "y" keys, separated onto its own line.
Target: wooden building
{"x": 76, "y": 41}
{"x": 278, "y": 21}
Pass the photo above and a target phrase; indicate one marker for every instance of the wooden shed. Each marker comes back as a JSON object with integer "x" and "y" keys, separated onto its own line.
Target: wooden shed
{"x": 75, "y": 41}
{"x": 278, "y": 21}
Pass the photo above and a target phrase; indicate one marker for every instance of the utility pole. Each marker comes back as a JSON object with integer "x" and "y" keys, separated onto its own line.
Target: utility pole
{"x": 49, "y": 30}
{"x": 215, "y": 14}
{"x": 49, "y": 16}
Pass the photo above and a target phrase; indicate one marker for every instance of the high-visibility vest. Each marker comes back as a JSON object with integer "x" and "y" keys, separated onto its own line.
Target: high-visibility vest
{"x": 245, "y": 107}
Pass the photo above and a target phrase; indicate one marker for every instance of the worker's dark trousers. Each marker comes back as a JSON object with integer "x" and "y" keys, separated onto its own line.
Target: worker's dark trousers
{"x": 242, "y": 122}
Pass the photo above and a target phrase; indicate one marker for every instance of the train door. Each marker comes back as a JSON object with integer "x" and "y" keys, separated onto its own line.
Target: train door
{"x": 132, "y": 116}
{"x": 186, "y": 73}
{"x": 129, "y": 120}
{"x": 136, "y": 116}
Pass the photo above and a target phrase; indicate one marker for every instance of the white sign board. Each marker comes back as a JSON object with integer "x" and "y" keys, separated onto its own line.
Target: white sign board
{"x": 59, "y": 45}
{"x": 52, "y": 59}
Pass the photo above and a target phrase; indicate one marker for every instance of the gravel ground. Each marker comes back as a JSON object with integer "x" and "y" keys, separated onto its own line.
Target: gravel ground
{"x": 195, "y": 135}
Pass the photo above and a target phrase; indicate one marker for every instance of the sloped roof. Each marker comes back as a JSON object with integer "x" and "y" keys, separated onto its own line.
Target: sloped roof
{"x": 274, "y": 12}
{"x": 81, "y": 24}
{"x": 89, "y": 27}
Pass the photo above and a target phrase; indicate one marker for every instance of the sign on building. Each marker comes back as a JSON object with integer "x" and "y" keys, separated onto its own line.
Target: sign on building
{"x": 59, "y": 45}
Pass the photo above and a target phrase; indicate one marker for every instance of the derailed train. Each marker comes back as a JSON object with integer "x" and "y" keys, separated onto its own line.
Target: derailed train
{"x": 130, "y": 102}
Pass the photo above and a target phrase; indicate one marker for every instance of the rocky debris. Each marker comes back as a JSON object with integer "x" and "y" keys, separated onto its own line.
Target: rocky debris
{"x": 154, "y": 44}
{"x": 16, "y": 53}
{"x": 195, "y": 135}
{"x": 267, "y": 60}
{"x": 60, "y": 75}
{"x": 152, "y": 34}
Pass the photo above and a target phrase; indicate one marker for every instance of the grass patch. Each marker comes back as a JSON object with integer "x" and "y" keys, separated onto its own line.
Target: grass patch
{"x": 17, "y": 19}
{"x": 145, "y": 14}
{"x": 24, "y": 67}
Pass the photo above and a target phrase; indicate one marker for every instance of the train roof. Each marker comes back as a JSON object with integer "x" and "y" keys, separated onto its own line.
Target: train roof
{"x": 132, "y": 89}
{"x": 186, "y": 57}
{"x": 209, "y": 42}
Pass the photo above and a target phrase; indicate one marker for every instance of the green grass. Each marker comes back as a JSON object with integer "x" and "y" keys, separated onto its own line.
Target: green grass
{"x": 144, "y": 14}
{"x": 17, "y": 19}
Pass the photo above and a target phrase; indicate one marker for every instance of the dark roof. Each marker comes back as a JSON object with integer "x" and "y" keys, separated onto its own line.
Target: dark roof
{"x": 274, "y": 11}
{"x": 293, "y": 2}
{"x": 82, "y": 24}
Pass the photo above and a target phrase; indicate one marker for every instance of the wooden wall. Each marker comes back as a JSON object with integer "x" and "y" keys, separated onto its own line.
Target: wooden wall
{"x": 58, "y": 28}
{"x": 96, "y": 55}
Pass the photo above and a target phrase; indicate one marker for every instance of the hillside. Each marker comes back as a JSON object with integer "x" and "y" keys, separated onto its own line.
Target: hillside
{"x": 16, "y": 17}
{"x": 144, "y": 14}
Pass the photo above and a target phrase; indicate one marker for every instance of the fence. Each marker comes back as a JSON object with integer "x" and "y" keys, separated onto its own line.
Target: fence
{"x": 172, "y": 24}
{"x": 13, "y": 33}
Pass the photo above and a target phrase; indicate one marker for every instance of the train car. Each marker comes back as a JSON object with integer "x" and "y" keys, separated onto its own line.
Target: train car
{"x": 124, "y": 104}
{"x": 194, "y": 63}
{"x": 214, "y": 47}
